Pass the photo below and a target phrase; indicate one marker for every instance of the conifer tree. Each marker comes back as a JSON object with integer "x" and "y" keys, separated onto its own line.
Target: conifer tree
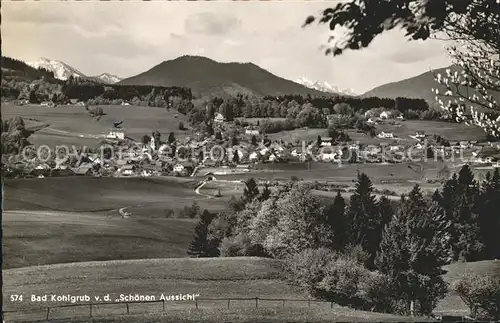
{"x": 386, "y": 210}
{"x": 254, "y": 140}
{"x": 200, "y": 245}
{"x": 318, "y": 141}
{"x": 363, "y": 218}
{"x": 335, "y": 217}
{"x": 251, "y": 190}
{"x": 413, "y": 250}
{"x": 236, "y": 157}
{"x": 266, "y": 193}
{"x": 466, "y": 239}
{"x": 489, "y": 214}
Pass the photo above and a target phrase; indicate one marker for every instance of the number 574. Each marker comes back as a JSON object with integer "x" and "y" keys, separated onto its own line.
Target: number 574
{"x": 16, "y": 298}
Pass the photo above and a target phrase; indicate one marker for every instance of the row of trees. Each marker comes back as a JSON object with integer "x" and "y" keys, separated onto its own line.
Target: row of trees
{"x": 305, "y": 109}
{"x": 406, "y": 242}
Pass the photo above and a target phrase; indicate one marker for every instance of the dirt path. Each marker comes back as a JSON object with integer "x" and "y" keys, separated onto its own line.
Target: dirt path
{"x": 197, "y": 191}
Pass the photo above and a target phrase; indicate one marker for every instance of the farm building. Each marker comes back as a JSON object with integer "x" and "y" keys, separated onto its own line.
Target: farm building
{"x": 115, "y": 135}
{"x": 390, "y": 114}
{"x": 47, "y": 104}
{"x": 386, "y": 135}
{"x": 128, "y": 169}
{"x": 83, "y": 170}
{"x": 419, "y": 134}
{"x": 252, "y": 132}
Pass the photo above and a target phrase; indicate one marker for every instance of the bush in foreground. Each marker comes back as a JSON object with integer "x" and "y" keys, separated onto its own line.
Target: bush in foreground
{"x": 481, "y": 294}
{"x": 326, "y": 274}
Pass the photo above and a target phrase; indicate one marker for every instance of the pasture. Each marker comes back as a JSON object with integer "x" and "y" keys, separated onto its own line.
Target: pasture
{"x": 209, "y": 277}
{"x": 32, "y": 238}
{"x": 448, "y": 130}
{"x": 72, "y": 125}
{"x": 452, "y": 304}
{"x": 143, "y": 197}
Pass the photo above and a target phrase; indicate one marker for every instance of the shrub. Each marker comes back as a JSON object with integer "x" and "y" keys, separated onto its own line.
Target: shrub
{"x": 181, "y": 126}
{"x": 357, "y": 253}
{"x": 190, "y": 211}
{"x": 378, "y": 292}
{"x": 341, "y": 281}
{"x": 481, "y": 294}
{"x": 306, "y": 269}
{"x": 240, "y": 245}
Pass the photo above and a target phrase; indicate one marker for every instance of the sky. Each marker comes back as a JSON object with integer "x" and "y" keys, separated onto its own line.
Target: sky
{"x": 128, "y": 38}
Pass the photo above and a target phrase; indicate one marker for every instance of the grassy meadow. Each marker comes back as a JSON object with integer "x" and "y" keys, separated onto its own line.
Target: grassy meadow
{"x": 242, "y": 277}
{"x": 72, "y": 125}
{"x": 106, "y": 194}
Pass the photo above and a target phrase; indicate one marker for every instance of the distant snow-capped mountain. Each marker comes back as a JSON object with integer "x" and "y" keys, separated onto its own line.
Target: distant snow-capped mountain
{"x": 64, "y": 71}
{"x": 324, "y": 86}
{"x": 61, "y": 70}
{"x": 108, "y": 78}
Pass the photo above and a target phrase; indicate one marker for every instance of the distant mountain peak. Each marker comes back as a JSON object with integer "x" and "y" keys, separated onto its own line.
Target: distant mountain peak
{"x": 205, "y": 76}
{"x": 61, "y": 70}
{"x": 108, "y": 78}
{"x": 324, "y": 86}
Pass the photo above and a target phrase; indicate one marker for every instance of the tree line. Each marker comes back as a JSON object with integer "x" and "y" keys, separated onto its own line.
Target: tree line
{"x": 367, "y": 253}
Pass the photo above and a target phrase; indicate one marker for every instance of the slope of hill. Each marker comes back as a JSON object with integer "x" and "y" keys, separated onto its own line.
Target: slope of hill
{"x": 325, "y": 87}
{"x": 205, "y": 76}
{"x": 17, "y": 68}
{"x": 419, "y": 86}
{"x": 61, "y": 70}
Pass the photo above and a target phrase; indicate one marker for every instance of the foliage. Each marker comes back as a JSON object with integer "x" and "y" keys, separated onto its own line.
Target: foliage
{"x": 191, "y": 211}
{"x": 301, "y": 223}
{"x": 473, "y": 27}
{"x": 251, "y": 191}
{"x": 201, "y": 246}
{"x": 481, "y": 293}
{"x": 326, "y": 274}
{"x": 363, "y": 218}
{"x": 240, "y": 246}
{"x": 412, "y": 251}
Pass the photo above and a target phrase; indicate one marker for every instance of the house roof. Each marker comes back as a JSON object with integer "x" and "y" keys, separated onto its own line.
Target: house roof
{"x": 82, "y": 169}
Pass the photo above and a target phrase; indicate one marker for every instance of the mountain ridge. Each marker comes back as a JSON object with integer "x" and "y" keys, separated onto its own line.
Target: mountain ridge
{"x": 64, "y": 71}
{"x": 206, "y": 76}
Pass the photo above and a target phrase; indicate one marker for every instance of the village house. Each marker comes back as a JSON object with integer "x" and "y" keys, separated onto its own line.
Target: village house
{"x": 386, "y": 135}
{"x": 419, "y": 134}
{"x": 115, "y": 135}
{"x": 49, "y": 104}
{"x": 254, "y": 156}
{"x": 251, "y": 132}
{"x": 464, "y": 144}
{"x": 326, "y": 141}
{"x": 83, "y": 170}
{"x": 128, "y": 169}
{"x": 390, "y": 114}
{"x": 219, "y": 117}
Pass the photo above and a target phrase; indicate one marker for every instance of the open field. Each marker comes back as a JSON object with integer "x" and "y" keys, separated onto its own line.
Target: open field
{"x": 452, "y": 304}
{"x": 209, "y": 277}
{"x": 143, "y": 197}
{"x": 299, "y": 134}
{"x": 447, "y": 130}
{"x": 344, "y": 173}
{"x": 250, "y": 315}
{"x": 32, "y": 238}
{"x": 72, "y": 125}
